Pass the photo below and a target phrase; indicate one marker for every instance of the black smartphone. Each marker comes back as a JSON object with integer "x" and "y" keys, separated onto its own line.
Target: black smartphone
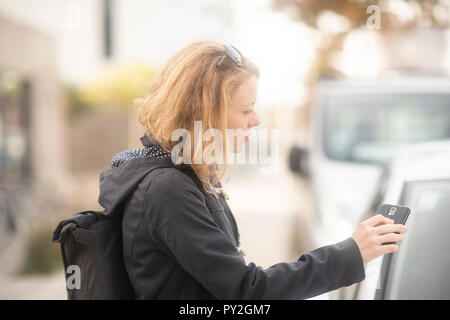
{"x": 397, "y": 213}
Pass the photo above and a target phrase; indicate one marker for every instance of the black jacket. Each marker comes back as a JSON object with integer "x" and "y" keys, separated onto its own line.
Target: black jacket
{"x": 181, "y": 243}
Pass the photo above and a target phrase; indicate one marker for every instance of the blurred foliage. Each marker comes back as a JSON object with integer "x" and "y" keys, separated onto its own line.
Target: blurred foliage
{"x": 393, "y": 12}
{"x": 394, "y": 15}
{"x": 74, "y": 103}
{"x": 42, "y": 256}
{"x": 116, "y": 87}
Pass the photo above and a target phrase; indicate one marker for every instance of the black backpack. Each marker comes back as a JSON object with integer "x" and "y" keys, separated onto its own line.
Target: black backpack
{"x": 91, "y": 249}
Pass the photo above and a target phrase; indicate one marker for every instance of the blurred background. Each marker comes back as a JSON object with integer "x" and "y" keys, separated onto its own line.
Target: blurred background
{"x": 349, "y": 85}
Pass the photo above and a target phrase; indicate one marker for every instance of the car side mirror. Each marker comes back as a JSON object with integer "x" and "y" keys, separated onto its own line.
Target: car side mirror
{"x": 299, "y": 161}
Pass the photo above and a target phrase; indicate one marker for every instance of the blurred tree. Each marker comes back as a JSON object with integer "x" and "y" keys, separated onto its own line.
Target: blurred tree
{"x": 41, "y": 256}
{"x": 335, "y": 19}
{"x": 74, "y": 103}
{"x": 116, "y": 87}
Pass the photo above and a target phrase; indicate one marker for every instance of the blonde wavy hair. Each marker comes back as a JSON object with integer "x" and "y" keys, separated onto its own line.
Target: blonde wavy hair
{"x": 195, "y": 84}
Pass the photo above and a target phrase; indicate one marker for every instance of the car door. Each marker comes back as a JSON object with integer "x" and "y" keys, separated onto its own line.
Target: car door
{"x": 420, "y": 269}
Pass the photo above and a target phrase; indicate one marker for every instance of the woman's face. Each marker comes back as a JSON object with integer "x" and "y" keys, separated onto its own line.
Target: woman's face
{"x": 241, "y": 114}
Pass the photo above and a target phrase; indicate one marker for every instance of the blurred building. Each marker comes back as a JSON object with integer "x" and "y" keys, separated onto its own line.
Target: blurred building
{"x": 31, "y": 120}
{"x": 33, "y": 171}
{"x": 91, "y": 35}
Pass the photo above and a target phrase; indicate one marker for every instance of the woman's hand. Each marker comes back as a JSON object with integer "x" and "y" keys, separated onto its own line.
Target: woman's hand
{"x": 371, "y": 233}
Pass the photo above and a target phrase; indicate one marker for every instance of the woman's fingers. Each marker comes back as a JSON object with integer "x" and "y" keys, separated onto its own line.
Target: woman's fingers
{"x": 390, "y": 237}
{"x": 377, "y": 220}
{"x": 389, "y": 228}
{"x": 388, "y": 248}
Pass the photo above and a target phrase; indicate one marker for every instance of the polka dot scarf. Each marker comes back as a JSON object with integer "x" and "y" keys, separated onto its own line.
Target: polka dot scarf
{"x": 153, "y": 151}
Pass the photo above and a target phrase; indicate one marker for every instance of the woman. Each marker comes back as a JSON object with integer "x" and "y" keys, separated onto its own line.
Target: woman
{"x": 180, "y": 239}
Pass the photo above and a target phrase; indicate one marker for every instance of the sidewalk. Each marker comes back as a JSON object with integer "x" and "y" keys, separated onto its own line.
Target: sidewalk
{"x": 48, "y": 287}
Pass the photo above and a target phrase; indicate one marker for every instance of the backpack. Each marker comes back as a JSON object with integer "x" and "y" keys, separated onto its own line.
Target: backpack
{"x": 91, "y": 249}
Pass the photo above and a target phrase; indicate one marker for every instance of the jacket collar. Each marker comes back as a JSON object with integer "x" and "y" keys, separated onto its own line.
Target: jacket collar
{"x": 148, "y": 141}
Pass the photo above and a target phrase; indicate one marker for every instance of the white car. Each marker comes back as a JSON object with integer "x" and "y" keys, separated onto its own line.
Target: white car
{"x": 419, "y": 178}
{"x": 355, "y": 128}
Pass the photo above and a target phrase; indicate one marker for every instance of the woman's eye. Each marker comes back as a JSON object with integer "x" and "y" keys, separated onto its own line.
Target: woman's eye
{"x": 247, "y": 112}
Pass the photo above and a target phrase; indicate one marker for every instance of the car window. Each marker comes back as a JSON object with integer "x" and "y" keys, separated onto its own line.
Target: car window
{"x": 421, "y": 267}
{"x": 369, "y": 128}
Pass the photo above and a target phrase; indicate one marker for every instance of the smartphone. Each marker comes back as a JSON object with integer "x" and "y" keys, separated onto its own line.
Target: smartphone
{"x": 397, "y": 213}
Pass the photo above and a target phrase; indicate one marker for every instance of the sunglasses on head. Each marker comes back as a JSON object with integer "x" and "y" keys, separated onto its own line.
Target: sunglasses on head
{"x": 235, "y": 55}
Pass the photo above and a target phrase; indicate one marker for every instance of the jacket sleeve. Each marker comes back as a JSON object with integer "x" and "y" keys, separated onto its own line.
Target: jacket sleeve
{"x": 182, "y": 224}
